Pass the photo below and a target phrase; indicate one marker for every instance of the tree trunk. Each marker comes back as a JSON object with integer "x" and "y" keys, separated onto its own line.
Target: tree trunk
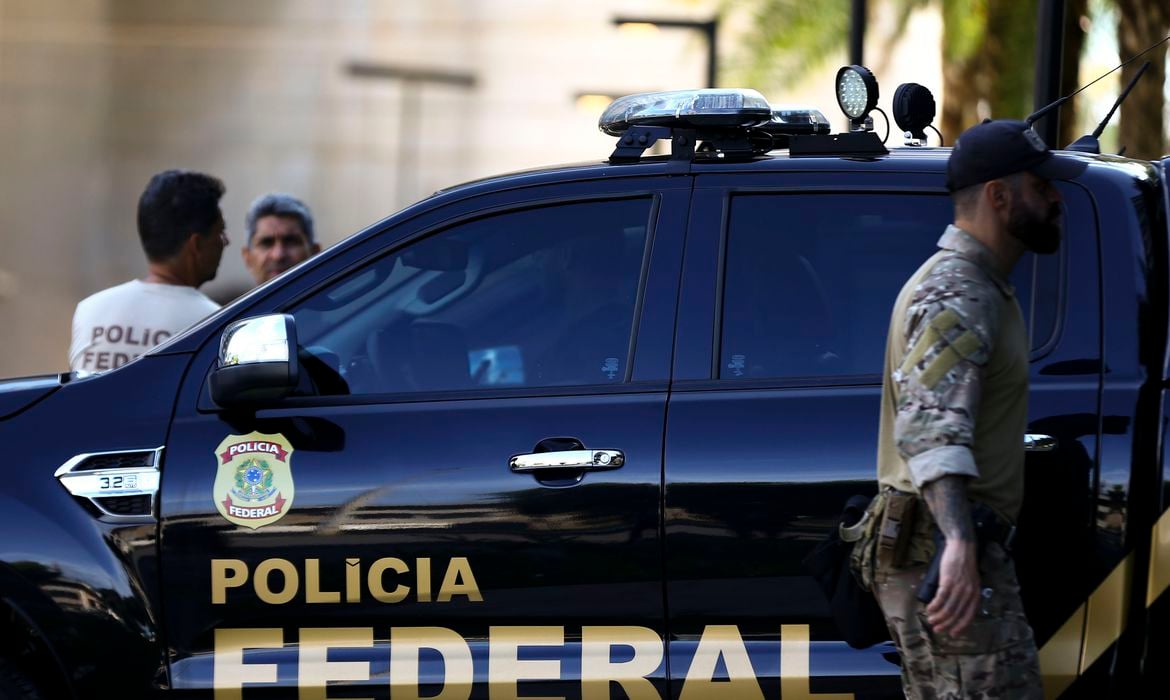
{"x": 988, "y": 52}
{"x": 1010, "y": 52}
{"x": 1142, "y": 128}
{"x": 963, "y": 65}
{"x": 961, "y": 98}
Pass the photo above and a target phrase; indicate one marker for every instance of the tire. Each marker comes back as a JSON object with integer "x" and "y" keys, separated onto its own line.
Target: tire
{"x": 15, "y": 685}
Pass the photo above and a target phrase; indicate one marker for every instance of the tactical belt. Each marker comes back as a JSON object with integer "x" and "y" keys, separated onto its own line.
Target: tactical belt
{"x": 990, "y": 525}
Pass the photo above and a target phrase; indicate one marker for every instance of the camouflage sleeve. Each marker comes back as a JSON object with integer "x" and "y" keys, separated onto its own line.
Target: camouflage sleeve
{"x": 951, "y": 323}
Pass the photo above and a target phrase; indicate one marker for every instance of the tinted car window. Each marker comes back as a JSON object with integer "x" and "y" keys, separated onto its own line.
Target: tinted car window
{"x": 810, "y": 280}
{"x": 539, "y": 297}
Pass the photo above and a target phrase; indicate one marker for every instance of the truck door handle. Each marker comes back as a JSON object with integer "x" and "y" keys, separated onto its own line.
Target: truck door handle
{"x": 567, "y": 459}
{"x": 1039, "y": 443}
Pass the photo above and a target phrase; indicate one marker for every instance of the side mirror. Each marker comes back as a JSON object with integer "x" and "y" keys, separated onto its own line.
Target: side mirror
{"x": 257, "y": 361}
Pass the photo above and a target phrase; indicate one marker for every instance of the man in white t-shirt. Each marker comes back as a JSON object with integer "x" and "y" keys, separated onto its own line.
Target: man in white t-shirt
{"x": 182, "y": 232}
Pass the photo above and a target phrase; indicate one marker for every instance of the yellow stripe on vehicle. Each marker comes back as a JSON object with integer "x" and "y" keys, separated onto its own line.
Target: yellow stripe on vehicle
{"x": 1060, "y": 657}
{"x": 1103, "y": 616}
{"x": 1069, "y": 653}
{"x": 1105, "y": 619}
{"x": 1159, "y": 560}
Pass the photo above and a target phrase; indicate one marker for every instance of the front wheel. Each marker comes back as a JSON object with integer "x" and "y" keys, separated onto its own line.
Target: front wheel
{"x": 14, "y": 684}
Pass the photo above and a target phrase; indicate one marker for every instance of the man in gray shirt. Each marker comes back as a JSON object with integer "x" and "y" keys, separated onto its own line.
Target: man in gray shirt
{"x": 280, "y": 235}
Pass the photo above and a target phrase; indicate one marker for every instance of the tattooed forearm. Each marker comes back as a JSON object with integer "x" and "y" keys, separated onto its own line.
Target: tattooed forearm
{"x": 947, "y": 499}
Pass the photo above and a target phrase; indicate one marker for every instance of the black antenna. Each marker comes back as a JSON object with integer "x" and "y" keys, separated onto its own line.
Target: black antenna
{"x": 1120, "y": 99}
{"x": 1089, "y": 143}
{"x": 1055, "y": 105}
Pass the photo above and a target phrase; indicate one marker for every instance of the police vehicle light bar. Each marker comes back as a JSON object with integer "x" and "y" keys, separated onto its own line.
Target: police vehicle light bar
{"x": 717, "y": 107}
{"x": 729, "y": 123}
{"x": 798, "y": 120}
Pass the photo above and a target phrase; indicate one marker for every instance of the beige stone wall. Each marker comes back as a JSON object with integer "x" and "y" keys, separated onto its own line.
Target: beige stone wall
{"x": 97, "y": 95}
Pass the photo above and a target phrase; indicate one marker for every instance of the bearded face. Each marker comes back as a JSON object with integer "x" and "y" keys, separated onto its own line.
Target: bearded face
{"x": 1033, "y": 221}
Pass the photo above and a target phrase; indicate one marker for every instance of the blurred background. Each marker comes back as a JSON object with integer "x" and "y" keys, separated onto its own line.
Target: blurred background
{"x": 360, "y": 107}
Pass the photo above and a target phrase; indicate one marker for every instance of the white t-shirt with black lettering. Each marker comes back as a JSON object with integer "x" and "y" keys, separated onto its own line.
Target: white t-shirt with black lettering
{"x": 118, "y": 324}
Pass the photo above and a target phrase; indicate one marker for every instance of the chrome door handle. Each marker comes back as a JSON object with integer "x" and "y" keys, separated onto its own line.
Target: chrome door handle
{"x": 567, "y": 459}
{"x": 1039, "y": 443}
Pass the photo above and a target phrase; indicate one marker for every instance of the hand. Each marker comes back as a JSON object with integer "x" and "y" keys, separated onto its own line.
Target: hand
{"x": 957, "y": 599}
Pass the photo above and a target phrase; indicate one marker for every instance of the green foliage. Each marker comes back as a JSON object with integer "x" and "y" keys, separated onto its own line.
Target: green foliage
{"x": 788, "y": 39}
{"x": 964, "y": 28}
{"x": 988, "y": 49}
{"x": 988, "y": 46}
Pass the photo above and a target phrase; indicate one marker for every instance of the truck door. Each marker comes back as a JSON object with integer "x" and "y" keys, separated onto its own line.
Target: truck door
{"x": 773, "y": 416}
{"x": 399, "y": 549}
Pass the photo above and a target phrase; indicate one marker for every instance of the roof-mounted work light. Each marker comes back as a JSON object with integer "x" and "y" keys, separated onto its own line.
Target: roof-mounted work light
{"x": 857, "y": 95}
{"x": 914, "y": 110}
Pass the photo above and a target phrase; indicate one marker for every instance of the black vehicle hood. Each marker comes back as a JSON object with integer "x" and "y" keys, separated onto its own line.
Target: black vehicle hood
{"x": 20, "y": 393}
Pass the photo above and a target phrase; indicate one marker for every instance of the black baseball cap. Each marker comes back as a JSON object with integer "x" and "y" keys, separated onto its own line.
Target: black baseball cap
{"x": 999, "y": 148}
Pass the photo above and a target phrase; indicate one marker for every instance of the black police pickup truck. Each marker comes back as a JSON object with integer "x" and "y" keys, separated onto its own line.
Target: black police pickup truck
{"x": 570, "y": 433}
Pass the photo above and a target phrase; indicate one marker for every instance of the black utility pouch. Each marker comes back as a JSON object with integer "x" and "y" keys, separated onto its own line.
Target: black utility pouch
{"x": 855, "y": 610}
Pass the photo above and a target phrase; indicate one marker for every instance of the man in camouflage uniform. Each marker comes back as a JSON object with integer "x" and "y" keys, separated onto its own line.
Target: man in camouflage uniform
{"x": 954, "y": 412}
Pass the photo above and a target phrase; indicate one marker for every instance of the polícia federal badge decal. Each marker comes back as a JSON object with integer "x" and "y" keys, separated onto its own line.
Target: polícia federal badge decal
{"x": 253, "y": 484}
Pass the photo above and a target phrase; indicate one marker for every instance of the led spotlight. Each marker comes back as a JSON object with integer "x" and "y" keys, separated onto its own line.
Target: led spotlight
{"x": 857, "y": 93}
{"x": 914, "y": 110}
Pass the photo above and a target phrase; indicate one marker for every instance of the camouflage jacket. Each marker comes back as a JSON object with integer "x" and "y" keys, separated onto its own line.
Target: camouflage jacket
{"x": 956, "y": 377}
